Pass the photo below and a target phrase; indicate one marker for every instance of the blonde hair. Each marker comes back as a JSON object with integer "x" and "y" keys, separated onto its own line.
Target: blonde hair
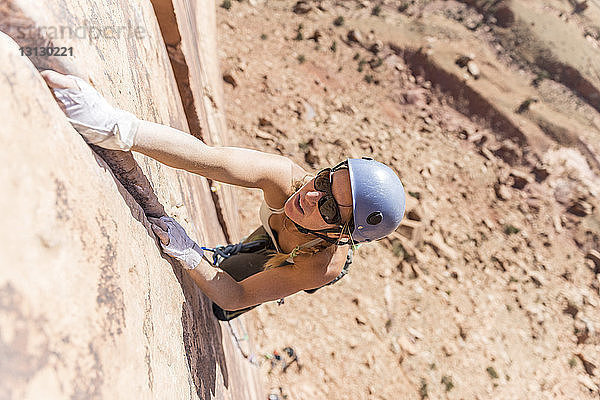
{"x": 277, "y": 258}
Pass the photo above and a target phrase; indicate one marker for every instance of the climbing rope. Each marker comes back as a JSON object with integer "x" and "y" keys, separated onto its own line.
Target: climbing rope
{"x": 221, "y": 253}
{"x": 251, "y": 357}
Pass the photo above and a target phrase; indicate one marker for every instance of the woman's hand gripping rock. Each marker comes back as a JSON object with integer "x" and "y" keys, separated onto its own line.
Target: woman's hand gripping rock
{"x": 90, "y": 114}
{"x": 175, "y": 241}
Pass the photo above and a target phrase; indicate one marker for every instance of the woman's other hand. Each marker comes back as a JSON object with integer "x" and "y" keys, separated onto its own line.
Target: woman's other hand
{"x": 90, "y": 114}
{"x": 175, "y": 241}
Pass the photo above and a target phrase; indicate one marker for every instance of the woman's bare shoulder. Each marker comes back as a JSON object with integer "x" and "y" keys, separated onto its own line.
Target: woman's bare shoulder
{"x": 281, "y": 186}
{"x": 298, "y": 172}
{"x": 327, "y": 263}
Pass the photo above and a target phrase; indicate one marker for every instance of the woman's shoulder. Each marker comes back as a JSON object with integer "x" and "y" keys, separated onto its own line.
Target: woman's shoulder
{"x": 282, "y": 187}
{"x": 298, "y": 178}
{"x": 327, "y": 262}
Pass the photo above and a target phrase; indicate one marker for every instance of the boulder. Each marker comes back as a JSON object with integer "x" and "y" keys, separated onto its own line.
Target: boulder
{"x": 302, "y": 7}
{"x": 412, "y": 230}
{"x": 355, "y": 36}
{"x": 594, "y": 255}
{"x": 437, "y": 241}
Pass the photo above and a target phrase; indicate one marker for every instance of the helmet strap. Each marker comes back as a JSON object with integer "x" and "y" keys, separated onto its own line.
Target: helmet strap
{"x": 320, "y": 234}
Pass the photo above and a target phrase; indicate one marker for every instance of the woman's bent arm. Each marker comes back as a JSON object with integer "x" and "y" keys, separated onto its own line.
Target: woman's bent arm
{"x": 264, "y": 286}
{"x": 308, "y": 273}
{"x": 217, "y": 284}
{"x": 236, "y": 166}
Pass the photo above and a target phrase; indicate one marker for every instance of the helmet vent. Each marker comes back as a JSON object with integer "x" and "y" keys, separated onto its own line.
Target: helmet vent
{"x": 374, "y": 218}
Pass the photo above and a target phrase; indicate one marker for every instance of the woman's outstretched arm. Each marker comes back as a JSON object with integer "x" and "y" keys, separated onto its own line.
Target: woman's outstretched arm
{"x": 232, "y": 165}
{"x": 103, "y": 125}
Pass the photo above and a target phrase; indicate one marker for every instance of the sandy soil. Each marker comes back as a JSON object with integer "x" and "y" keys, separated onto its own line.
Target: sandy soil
{"x": 491, "y": 287}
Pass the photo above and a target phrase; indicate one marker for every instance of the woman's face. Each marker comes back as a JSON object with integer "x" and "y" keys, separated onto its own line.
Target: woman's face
{"x": 303, "y": 206}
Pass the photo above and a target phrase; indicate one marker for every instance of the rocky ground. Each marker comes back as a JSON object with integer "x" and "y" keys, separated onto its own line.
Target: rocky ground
{"x": 490, "y": 288}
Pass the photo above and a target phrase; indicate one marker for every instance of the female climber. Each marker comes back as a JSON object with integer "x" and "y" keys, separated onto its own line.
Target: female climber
{"x": 309, "y": 223}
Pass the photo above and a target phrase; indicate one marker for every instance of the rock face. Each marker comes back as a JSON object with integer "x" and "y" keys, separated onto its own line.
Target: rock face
{"x": 89, "y": 307}
{"x": 189, "y": 32}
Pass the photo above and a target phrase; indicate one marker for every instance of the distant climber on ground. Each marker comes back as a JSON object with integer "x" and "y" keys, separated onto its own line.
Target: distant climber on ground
{"x": 310, "y": 224}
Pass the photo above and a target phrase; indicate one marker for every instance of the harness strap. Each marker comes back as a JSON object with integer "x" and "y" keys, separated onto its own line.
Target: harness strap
{"x": 309, "y": 244}
{"x": 290, "y": 259}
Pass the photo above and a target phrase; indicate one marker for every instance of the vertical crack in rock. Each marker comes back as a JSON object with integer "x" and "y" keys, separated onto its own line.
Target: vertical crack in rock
{"x": 195, "y": 114}
{"x": 182, "y": 77}
{"x": 129, "y": 173}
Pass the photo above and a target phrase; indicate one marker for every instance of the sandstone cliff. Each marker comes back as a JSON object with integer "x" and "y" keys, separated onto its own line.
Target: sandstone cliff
{"x": 89, "y": 308}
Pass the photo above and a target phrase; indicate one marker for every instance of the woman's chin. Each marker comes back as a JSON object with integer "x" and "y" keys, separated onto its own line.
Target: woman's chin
{"x": 288, "y": 209}
{"x": 292, "y": 213}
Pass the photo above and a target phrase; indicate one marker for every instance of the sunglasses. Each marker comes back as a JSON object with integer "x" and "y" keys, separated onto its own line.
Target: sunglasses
{"x": 328, "y": 206}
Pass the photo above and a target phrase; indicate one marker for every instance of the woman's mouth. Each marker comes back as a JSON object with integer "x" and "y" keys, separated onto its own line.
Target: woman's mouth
{"x": 298, "y": 204}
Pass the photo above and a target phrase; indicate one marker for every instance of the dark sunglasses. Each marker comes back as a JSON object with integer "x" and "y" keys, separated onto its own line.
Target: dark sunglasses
{"x": 328, "y": 206}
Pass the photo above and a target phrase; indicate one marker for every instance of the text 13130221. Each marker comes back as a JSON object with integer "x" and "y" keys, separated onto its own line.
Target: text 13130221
{"x": 46, "y": 51}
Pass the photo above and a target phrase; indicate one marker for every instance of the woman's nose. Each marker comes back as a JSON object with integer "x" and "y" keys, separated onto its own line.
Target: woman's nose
{"x": 313, "y": 197}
